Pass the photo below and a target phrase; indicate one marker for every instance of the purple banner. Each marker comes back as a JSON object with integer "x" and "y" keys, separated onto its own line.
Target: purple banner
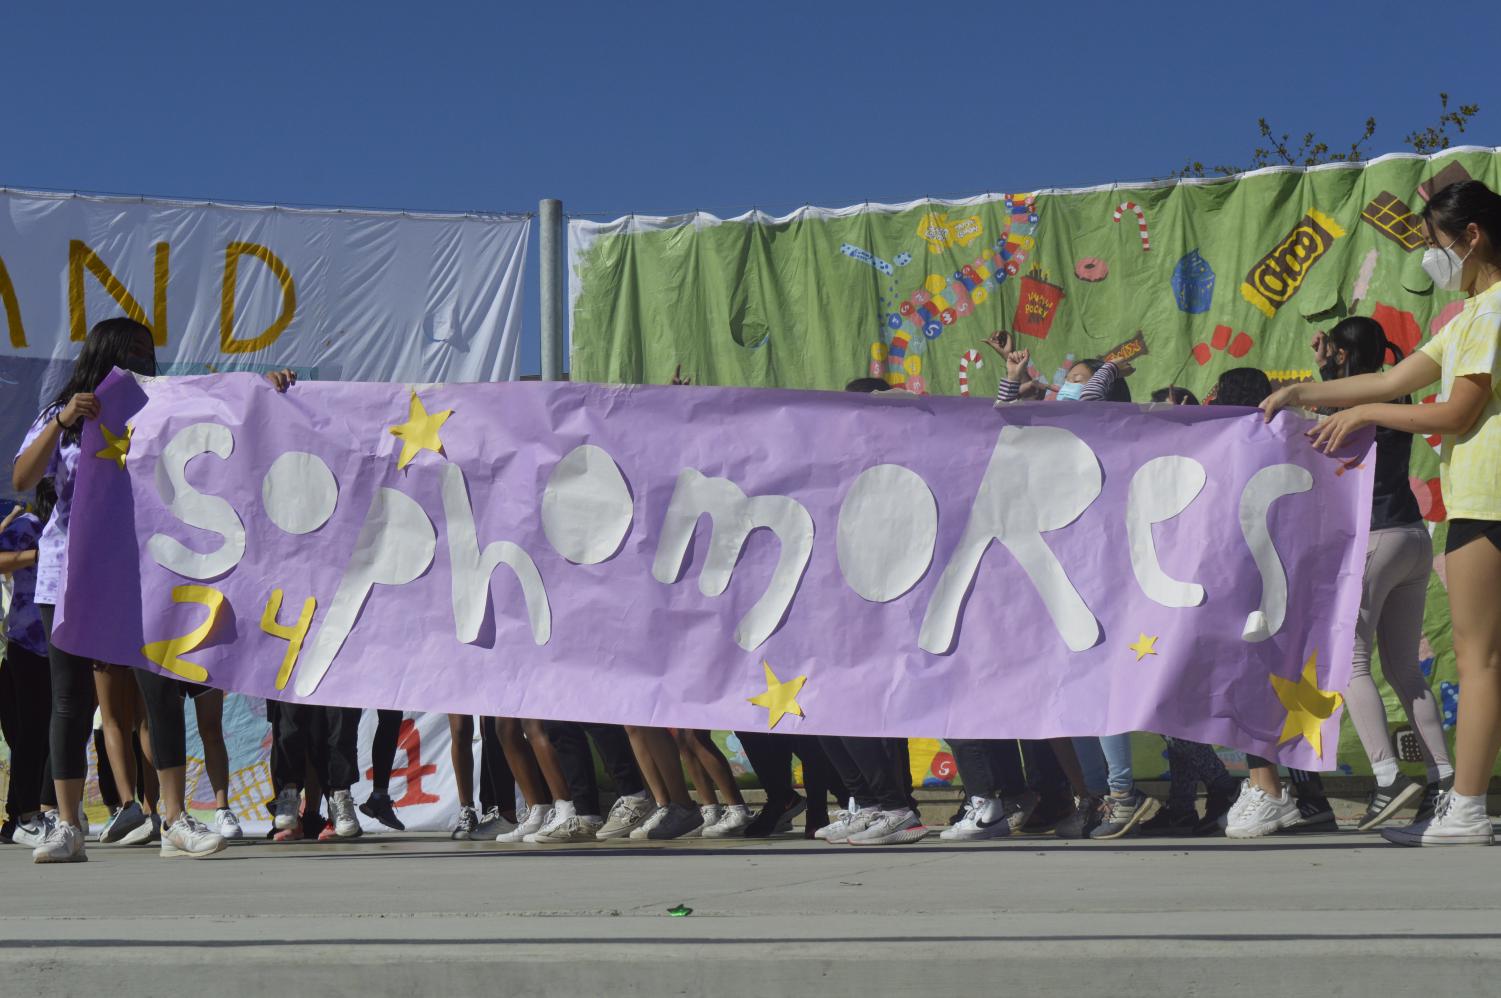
{"x": 722, "y": 558}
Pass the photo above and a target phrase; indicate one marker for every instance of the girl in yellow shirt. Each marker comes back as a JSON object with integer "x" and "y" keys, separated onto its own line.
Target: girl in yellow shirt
{"x": 1463, "y": 227}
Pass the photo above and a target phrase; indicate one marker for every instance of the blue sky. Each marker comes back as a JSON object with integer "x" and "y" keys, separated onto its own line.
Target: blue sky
{"x": 664, "y": 107}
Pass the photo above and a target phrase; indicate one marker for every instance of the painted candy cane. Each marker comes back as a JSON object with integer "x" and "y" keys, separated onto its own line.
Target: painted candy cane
{"x": 1141, "y": 221}
{"x": 970, "y": 357}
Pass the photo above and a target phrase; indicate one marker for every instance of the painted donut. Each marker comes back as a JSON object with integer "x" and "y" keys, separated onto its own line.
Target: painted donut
{"x": 1091, "y": 269}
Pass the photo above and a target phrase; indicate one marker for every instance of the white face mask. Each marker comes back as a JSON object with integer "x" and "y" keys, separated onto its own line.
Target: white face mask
{"x": 1073, "y": 391}
{"x": 1445, "y": 267}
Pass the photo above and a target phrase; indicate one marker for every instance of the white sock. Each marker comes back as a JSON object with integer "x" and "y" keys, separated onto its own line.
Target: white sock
{"x": 638, "y": 795}
{"x": 562, "y": 810}
{"x": 1444, "y": 772}
{"x": 1385, "y": 772}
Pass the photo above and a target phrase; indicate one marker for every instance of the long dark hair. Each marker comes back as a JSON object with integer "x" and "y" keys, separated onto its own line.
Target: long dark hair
{"x": 1460, "y": 205}
{"x": 1175, "y": 395}
{"x": 110, "y": 344}
{"x": 1365, "y": 345}
{"x": 46, "y": 498}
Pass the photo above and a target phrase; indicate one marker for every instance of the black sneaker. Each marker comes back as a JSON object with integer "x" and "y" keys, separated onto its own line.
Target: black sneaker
{"x": 1428, "y": 806}
{"x": 775, "y": 817}
{"x": 1171, "y": 823}
{"x": 1314, "y": 815}
{"x": 1385, "y": 802}
{"x": 1216, "y": 811}
{"x": 8, "y": 832}
{"x": 1047, "y": 815}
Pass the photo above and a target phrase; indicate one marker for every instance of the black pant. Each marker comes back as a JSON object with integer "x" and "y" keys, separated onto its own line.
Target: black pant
{"x": 72, "y": 707}
{"x": 383, "y": 748}
{"x": 571, "y": 741}
{"x": 1044, "y": 775}
{"x": 989, "y": 767}
{"x": 329, "y": 736}
{"x": 25, "y": 712}
{"x": 109, "y": 790}
{"x": 497, "y": 785}
{"x": 873, "y": 769}
{"x": 770, "y": 756}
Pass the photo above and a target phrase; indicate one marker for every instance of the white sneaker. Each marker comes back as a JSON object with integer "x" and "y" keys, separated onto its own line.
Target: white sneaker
{"x": 124, "y": 821}
{"x": 854, "y": 822}
{"x": 187, "y": 836}
{"x": 711, "y": 813}
{"x": 673, "y": 822}
{"x": 890, "y": 828}
{"x": 346, "y": 820}
{"x": 1453, "y": 824}
{"x": 229, "y": 824}
{"x": 491, "y": 824}
{"x": 286, "y": 809}
{"x": 643, "y": 830}
{"x": 62, "y": 844}
{"x": 731, "y": 823}
{"x": 33, "y": 830}
{"x": 145, "y": 833}
{"x": 536, "y": 817}
{"x": 1241, "y": 803}
{"x": 570, "y": 829}
{"x": 1261, "y": 814}
{"x": 984, "y": 818}
{"x": 625, "y": 817}
{"x": 837, "y": 821}
{"x": 467, "y": 825}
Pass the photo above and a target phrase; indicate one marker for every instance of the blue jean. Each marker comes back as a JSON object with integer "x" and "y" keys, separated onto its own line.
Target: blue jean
{"x": 1106, "y": 762}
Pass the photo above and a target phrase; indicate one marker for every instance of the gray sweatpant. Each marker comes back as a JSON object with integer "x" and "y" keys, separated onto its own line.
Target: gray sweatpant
{"x": 1398, "y": 563}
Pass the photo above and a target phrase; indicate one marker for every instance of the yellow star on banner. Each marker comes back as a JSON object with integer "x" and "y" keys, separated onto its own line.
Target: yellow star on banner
{"x": 420, "y": 431}
{"x": 1308, "y": 707}
{"x": 115, "y": 448}
{"x": 1144, "y": 646}
{"x": 780, "y": 698}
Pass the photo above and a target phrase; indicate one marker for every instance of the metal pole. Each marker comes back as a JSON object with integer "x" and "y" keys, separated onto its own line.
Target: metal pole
{"x": 550, "y": 217}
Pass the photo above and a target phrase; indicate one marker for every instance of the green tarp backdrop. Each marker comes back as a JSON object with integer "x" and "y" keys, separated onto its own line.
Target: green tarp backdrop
{"x": 1186, "y": 279}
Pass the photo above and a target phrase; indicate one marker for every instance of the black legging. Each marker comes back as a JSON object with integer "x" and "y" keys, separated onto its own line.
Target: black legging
{"x": 497, "y": 785}
{"x": 328, "y": 736}
{"x": 25, "y": 708}
{"x": 874, "y": 769}
{"x": 770, "y": 756}
{"x": 164, "y": 697}
{"x": 72, "y": 707}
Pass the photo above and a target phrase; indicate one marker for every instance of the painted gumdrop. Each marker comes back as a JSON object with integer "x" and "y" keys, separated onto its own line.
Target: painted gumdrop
{"x": 944, "y": 767}
{"x": 1193, "y": 283}
{"x": 1449, "y": 699}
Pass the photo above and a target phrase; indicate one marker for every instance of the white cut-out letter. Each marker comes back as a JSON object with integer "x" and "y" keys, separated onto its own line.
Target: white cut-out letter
{"x": 586, "y": 507}
{"x": 1160, "y": 490}
{"x": 395, "y": 546}
{"x": 888, "y": 527}
{"x": 1040, "y": 478}
{"x": 1266, "y": 487}
{"x": 732, "y": 517}
{"x": 472, "y": 567}
{"x": 299, "y": 492}
{"x": 192, "y": 507}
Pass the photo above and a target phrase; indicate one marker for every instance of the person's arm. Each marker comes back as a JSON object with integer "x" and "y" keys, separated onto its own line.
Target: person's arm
{"x": 1407, "y": 377}
{"x": 1099, "y": 385}
{"x": 1016, "y": 369}
{"x": 14, "y": 561}
{"x": 31, "y": 464}
{"x": 1454, "y": 416}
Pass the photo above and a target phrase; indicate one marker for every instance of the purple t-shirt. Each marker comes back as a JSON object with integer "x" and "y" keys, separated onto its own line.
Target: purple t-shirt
{"x": 52, "y": 548}
{"x": 24, "y": 624}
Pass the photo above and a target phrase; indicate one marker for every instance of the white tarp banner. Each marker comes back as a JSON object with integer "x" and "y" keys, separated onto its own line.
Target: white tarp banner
{"x": 334, "y": 294}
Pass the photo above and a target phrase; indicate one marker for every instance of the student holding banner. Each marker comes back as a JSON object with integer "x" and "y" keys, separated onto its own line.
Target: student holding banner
{"x": 52, "y": 449}
{"x": 1462, "y": 224}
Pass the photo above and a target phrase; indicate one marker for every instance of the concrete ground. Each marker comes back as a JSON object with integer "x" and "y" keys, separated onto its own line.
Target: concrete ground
{"x": 418, "y": 915}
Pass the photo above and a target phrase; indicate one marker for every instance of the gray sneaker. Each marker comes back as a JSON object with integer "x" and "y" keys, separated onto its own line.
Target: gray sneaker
{"x": 856, "y": 822}
{"x": 124, "y": 821}
{"x": 674, "y": 821}
{"x": 626, "y": 816}
{"x": 63, "y": 844}
{"x": 890, "y": 828}
{"x": 1121, "y": 815}
{"x": 145, "y": 833}
{"x": 1085, "y": 819}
